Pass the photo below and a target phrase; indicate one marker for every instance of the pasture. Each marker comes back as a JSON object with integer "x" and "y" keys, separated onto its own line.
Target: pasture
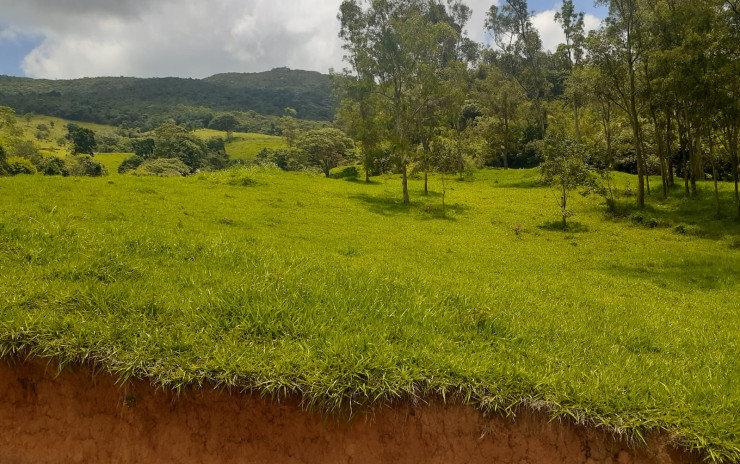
{"x": 333, "y": 289}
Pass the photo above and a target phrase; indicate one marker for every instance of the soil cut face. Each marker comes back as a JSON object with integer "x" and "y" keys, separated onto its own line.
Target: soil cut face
{"x": 84, "y": 418}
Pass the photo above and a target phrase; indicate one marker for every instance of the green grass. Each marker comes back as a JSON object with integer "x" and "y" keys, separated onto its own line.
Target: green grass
{"x": 333, "y": 289}
{"x": 244, "y": 145}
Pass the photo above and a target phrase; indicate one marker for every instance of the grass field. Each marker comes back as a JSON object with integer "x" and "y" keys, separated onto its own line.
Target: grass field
{"x": 243, "y": 145}
{"x": 334, "y": 289}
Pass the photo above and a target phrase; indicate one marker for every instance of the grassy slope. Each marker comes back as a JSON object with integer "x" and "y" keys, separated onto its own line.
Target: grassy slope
{"x": 243, "y": 145}
{"x": 292, "y": 282}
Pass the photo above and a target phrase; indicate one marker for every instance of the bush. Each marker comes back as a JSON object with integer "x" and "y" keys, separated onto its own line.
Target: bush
{"x": 84, "y": 165}
{"x": 17, "y": 165}
{"x": 130, "y": 163}
{"x": 162, "y": 167}
{"x": 52, "y": 166}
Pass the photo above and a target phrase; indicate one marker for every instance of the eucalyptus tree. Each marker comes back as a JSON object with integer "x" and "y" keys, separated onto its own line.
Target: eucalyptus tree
{"x": 502, "y": 100}
{"x": 399, "y": 48}
{"x": 573, "y": 28}
{"x": 616, "y": 49}
{"x": 519, "y": 49}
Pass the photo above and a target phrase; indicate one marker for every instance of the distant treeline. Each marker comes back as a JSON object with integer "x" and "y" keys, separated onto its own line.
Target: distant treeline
{"x": 146, "y": 103}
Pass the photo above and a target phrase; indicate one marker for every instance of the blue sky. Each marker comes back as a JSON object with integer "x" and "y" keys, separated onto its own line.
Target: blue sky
{"x": 195, "y": 38}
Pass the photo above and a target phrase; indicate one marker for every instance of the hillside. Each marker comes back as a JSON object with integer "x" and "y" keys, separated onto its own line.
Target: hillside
{"x": 133, "y": 102}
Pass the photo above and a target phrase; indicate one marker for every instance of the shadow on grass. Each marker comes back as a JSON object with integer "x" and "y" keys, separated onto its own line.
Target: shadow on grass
{"x": 385, "y": 206}
{"x": 686, "y": 216}
{"x": 392, "y": 206}
{"x": 558, "y": 226}
{"x": 702, "y": 273}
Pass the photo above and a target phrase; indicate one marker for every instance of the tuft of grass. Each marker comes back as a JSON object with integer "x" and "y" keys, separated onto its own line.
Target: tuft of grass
{"x": 339, "y": 292}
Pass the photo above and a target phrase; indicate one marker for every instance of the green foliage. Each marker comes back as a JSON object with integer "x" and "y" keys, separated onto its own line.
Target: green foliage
{"x": 52, "y": 166}
{"x": 143, "y": 148}
{"x": 287, "y": 159}
{"x": 130, "y": 163}
{"x": 22, "y": 148}
{"x": 16, "y": 165}
{"x": 148, "y": 103}
{"x": 175, "y": 142}
{"x": 162, "y": 167}
{"x": 226, "y": 123}
{"x": 565, "y": 168}
{"x": 83, "y": 140}
{"x": 325, "y": 148}
{"x": 84, "y": 165}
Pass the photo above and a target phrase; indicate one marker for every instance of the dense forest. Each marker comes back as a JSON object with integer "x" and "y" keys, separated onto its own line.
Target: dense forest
{"x": 146, "y": 103}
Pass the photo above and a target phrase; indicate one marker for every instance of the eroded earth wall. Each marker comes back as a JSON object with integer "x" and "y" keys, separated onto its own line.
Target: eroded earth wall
{"x": 81, "y": 418}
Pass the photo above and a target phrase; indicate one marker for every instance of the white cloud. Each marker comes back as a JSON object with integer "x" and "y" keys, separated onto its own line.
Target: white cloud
{"x": 194, "y": 38}
{"x": 551, "y": 32}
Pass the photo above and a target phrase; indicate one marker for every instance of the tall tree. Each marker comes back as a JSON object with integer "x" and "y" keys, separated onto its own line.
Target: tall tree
{"x": 617, "y": 49}
{"x": 399, "y": 45}
{"x": 520, "y": 48}
{"x": 572, "y": 24}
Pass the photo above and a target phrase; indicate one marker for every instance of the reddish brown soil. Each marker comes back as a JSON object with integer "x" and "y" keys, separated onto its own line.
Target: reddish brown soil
{"x": 80, "y": 418}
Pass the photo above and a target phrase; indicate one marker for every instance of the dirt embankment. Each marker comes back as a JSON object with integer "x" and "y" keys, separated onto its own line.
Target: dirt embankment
{"x": 80, "y": 418}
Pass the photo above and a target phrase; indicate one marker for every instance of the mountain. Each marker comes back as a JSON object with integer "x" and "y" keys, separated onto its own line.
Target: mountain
{"x": 136, "y": 102}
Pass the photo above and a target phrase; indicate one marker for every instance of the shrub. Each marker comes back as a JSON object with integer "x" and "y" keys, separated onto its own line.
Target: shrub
{"x": 130, "y": 163}
{"x": 52, "y": 166}
{"x": 162, "y": 167}
{"x": 17, "y": 165}
{"x": 84, "y": 165}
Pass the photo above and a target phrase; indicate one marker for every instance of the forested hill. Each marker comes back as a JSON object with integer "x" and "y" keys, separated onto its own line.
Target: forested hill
{"x": 134, "y": 101}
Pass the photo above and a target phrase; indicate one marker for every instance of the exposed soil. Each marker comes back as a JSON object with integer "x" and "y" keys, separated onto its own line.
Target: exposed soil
{"x": 81, "y": 418}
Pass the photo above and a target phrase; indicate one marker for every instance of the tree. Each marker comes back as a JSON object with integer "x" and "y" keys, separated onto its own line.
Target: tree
{"x": 173, "y": 141}
{"x": 83, "y": 141}
{"x": 616, "y": 50}
{"x": 226, "y": 123}
{"x": 572, "y": 24}
{"x": 397, "y": 47}
{"x": 143, "y": 147}
{"x": 519, "y": 53}
{"x": 325, "y": 148}
{"x": 3, "y": 163}
{"x": 565, "y": 168}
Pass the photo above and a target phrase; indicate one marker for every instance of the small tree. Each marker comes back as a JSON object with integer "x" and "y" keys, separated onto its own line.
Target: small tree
{"x": 226, "y": 123}
{"x": 565, "y": 169}
{"x": 143, "y": 147}
{"x": 325, "y": 148}
{"x": 3, "y": 163}
{"x": 83, "y": 141}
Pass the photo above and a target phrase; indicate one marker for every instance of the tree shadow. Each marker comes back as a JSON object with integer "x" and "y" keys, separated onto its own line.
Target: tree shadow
{"x": 558, "y": 226}
{"x": 686, "y": 216}
{"x": 384, "y": 206}
{"x": 392, "y": 206}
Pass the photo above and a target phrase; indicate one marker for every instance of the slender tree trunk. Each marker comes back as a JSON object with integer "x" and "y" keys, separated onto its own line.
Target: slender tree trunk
{"x": 405, "y": 182}
{"x": 670, "y": 149}
{"x": 506, "y": 142}
{"x": 735, "y": 173}
{"x": 714, "y": 175}
{"x": 426, "y": 182}
{"x": 576, "y": 120}
{"x": 563, "y": 205}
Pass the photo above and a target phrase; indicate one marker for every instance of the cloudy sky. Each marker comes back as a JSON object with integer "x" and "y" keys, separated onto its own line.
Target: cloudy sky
{"x": 61, "y": 39}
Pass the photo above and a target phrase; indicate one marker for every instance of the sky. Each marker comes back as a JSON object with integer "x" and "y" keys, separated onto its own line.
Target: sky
{"x": 65, "y": 39}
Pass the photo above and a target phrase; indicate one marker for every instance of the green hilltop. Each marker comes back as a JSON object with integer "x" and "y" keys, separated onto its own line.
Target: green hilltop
{"x": 144, "y": 102}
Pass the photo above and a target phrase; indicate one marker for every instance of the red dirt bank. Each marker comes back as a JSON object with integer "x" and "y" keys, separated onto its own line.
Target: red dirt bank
{"x": 75, "y": 417}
